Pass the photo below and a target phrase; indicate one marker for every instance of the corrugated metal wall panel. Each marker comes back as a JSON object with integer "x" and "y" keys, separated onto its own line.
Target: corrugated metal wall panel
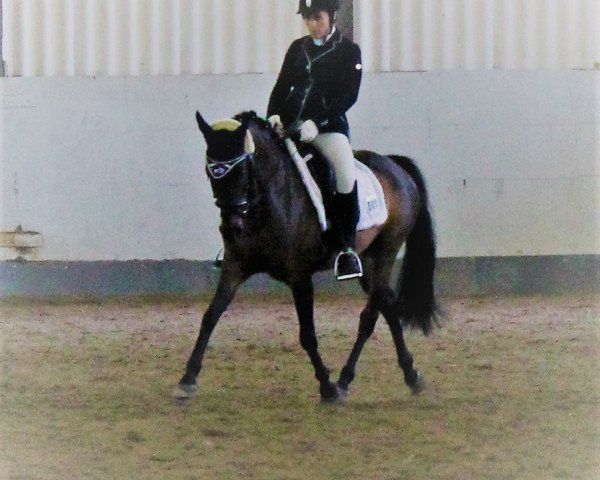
{"x": 133, "y": 37}
{"x": 414, "y": 35}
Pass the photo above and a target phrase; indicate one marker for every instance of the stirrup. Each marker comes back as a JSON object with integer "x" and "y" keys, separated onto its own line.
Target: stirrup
{"x": 219, "y": 259}
{"x": 351, "y": 266}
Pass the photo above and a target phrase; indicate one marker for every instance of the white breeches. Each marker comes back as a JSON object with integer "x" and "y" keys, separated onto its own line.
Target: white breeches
{"x": 336, "y": 148}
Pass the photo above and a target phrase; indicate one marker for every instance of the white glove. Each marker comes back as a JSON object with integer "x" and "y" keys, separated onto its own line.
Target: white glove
{"x": 276, "y": 123}
{"x": 308, "y": 131}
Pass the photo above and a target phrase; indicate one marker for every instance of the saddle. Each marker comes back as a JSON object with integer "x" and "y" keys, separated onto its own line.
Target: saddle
{"x": 319, "y": 179}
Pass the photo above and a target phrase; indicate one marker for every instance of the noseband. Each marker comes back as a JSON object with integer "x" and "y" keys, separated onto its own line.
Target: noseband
{"x": 231, "y": 181}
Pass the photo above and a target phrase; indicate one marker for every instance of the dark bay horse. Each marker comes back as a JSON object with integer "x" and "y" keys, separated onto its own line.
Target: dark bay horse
{"x": 269, "y": 224}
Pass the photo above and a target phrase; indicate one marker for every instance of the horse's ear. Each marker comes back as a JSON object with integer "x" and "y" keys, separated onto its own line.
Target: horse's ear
{"x": 205, "y": 128}
{"x": 249, "y": 146}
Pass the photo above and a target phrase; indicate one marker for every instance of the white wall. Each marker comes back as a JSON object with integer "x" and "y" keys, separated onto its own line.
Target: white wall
{"x": 112, "y": 168}
{"x": 512, "y": 158}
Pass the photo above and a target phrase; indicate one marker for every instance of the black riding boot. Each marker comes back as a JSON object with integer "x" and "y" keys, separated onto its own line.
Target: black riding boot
{"x": 347, "y": 263}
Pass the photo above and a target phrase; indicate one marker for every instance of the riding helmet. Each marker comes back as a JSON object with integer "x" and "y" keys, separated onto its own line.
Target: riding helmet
{"x": 307, "y": 7}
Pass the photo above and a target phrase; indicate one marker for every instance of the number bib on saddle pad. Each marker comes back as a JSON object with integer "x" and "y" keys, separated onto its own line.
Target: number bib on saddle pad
{"x": 373, "y": 210}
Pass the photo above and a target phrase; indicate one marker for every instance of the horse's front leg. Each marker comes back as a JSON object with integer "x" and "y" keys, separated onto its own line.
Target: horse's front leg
{"x": 304, "y": 301}
{"x": 226, "y": 289}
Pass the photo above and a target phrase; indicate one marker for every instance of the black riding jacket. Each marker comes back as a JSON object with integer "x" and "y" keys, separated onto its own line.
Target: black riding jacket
{"x": 318, "y": 83}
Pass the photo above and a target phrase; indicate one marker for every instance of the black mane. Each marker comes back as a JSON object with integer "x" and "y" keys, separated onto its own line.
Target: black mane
{"x": 248, "y": 117}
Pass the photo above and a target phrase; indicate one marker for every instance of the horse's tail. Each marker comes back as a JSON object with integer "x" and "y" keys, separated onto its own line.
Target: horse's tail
{"x": 416, "y": 296}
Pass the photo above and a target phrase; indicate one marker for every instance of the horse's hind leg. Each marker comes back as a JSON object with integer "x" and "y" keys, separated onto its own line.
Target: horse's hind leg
{"x": 386, "y": 302}
{"x": 225, "y": 292}
{"x": 412, "y": 377}
{"x": 304, "y": 301}
{"x": 368, "y": 319}
{"x": 381, "y": 299}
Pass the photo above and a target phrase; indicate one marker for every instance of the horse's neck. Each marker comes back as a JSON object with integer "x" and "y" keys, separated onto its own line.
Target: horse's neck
{"x": 276, "y": 175}
{"x": 270, "y": 163}
{"x": 268, "y": 170}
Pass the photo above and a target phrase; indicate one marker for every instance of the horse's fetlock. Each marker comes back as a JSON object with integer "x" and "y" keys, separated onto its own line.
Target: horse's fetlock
{"x": 188, "y": 379}
{"x": 330, "y": 393}
{"x": 411, "y": 377}
{"x": 406, "y": 362}
{"x": 346, "y": 377}
{"x": 322, "y": 376}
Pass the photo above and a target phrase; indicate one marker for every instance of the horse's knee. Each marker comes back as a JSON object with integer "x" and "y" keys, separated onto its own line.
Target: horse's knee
{"x": 308, "y": 341}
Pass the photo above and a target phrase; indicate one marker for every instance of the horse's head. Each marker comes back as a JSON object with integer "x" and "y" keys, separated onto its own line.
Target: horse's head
{"x": 229, "y": 158}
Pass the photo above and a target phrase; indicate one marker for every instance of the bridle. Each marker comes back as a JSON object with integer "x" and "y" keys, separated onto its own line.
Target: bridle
{"x": 231, "y": 182}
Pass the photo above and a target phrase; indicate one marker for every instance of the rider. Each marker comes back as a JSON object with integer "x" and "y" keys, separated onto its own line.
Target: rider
{"x": 319, "y": 81}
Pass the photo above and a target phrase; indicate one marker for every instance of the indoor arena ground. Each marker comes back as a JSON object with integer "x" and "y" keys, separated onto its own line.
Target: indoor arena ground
{"x": 513, "y": 392}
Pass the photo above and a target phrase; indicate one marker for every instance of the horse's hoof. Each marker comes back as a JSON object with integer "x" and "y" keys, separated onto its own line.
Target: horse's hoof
{"x": 343, "y": 390}
{"x": 184, "y": 391}
{"x": 333, "y": 395}
{"x": 419, "y": 384}
{"x": 343, "y": 393}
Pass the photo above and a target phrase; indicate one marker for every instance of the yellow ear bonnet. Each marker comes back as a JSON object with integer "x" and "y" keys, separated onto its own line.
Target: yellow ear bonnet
{"x": 228, "y": 124}
{"x": 231, "y": 125}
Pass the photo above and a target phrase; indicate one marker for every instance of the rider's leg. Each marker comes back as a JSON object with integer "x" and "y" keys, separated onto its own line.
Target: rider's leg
{"x": 336, "y": 148}
{"x": 347, "y": 263}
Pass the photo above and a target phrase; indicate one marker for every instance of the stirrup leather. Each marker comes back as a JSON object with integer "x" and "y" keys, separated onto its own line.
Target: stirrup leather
{"x": 349, "y": 275}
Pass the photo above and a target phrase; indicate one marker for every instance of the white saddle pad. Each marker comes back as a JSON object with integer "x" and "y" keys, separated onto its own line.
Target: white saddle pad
{"x": 373, "y": 210}
{"x": 371, "y": 201}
